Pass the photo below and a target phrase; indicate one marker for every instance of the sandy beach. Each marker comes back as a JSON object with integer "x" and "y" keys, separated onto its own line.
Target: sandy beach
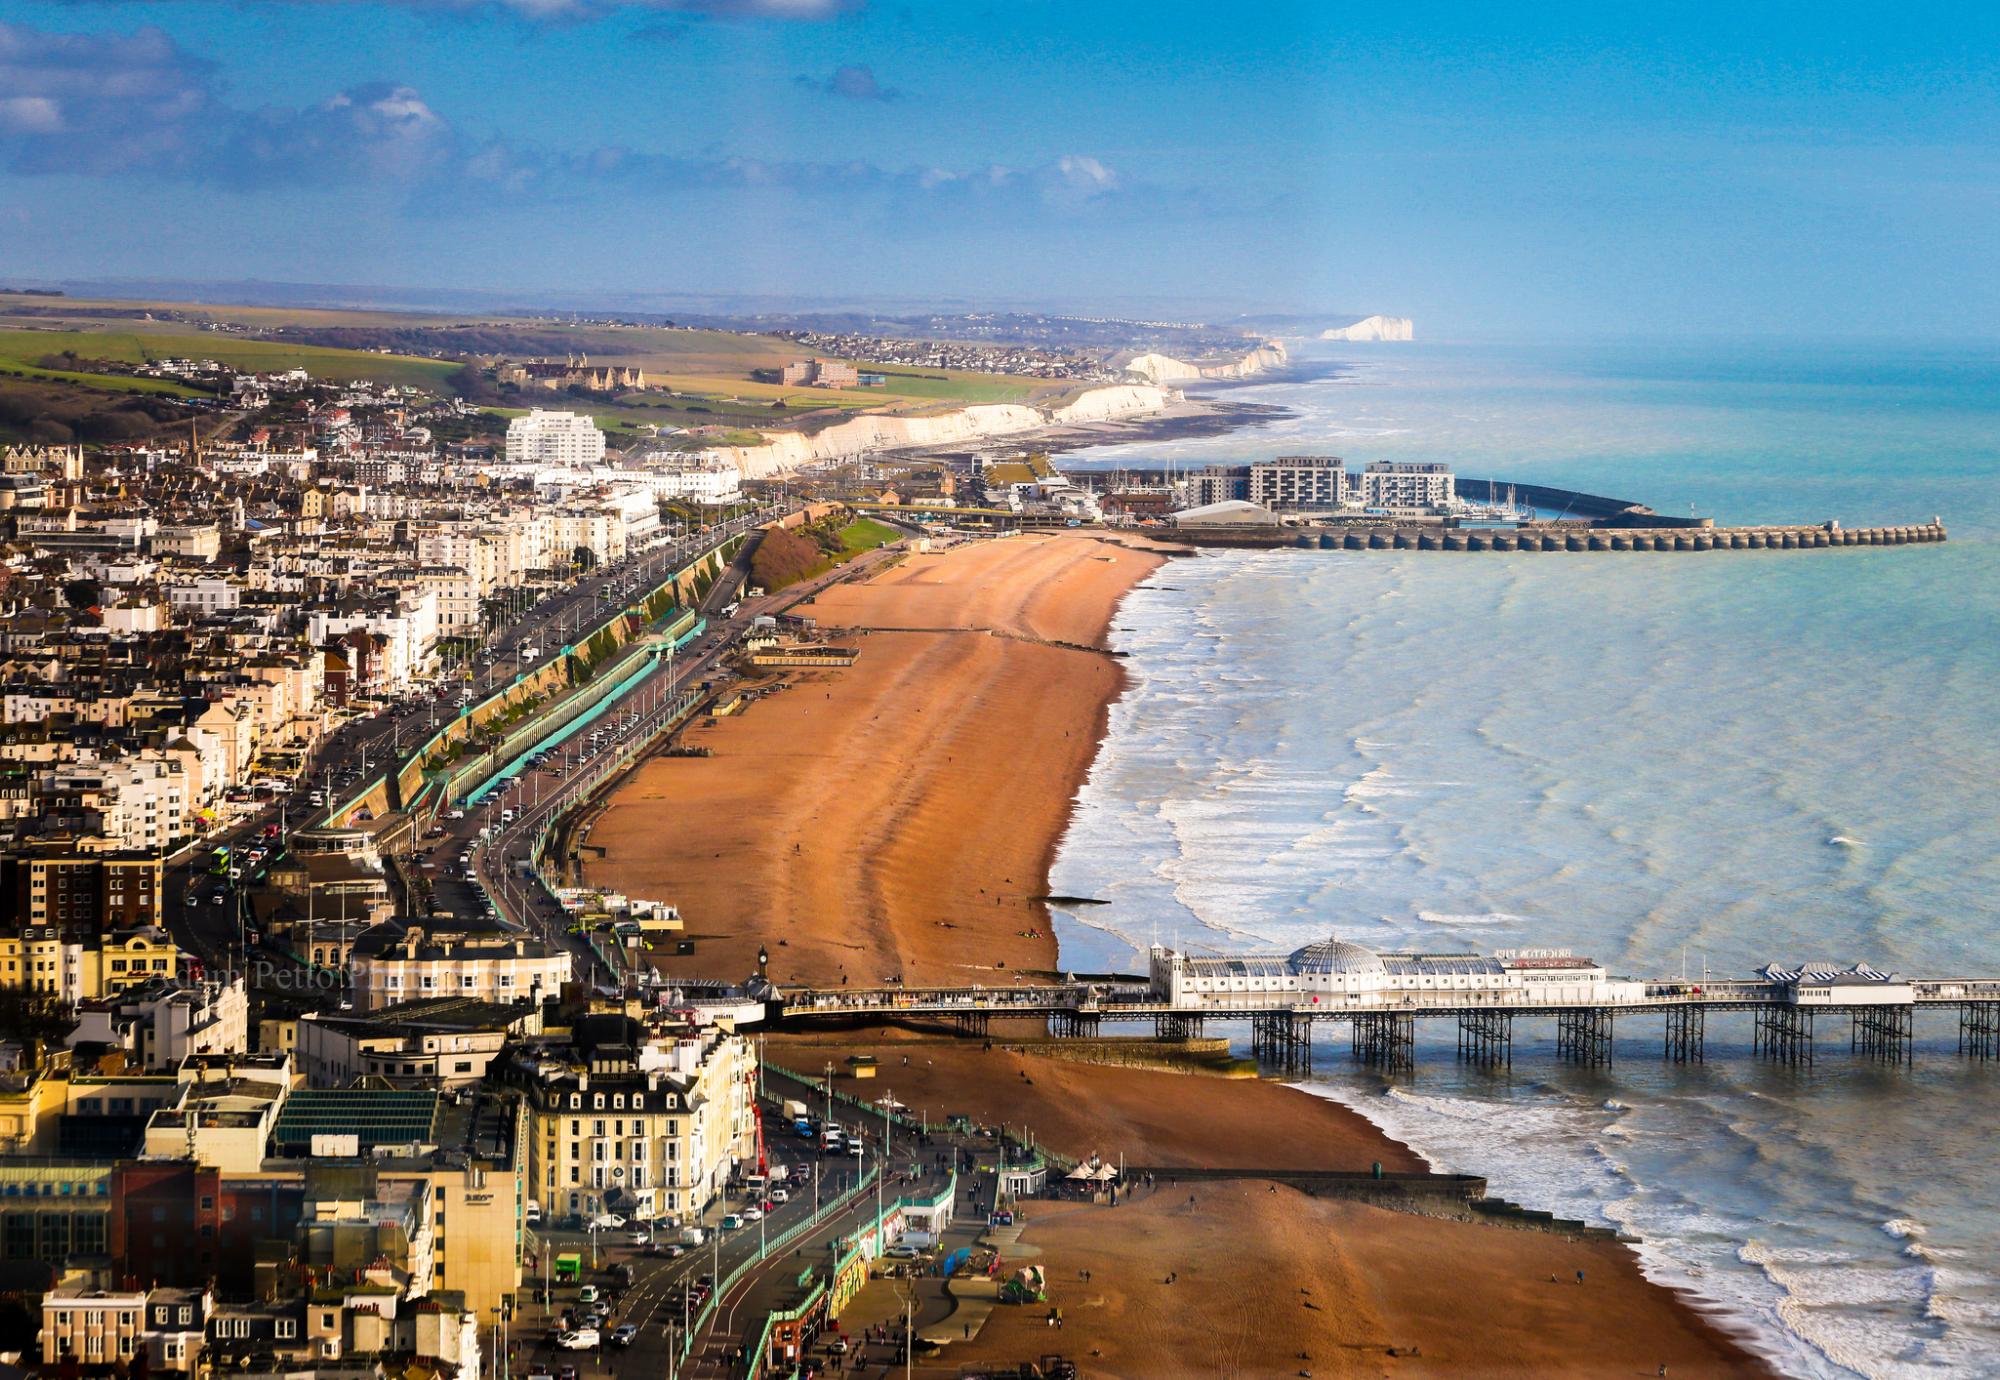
{"x": 895, "y": 817}
{"x": 1272, "y": 1282}
{"x": 898, "y": 817}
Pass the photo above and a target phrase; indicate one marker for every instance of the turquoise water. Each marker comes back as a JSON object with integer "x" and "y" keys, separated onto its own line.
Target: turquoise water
{"x": 1660, "y": 760}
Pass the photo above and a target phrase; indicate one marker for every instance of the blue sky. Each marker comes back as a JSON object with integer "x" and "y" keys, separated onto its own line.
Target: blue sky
{"x": 1549, "y": 170}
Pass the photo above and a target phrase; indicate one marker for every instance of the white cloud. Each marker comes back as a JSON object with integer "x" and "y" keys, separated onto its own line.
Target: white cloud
{"x": 30, "y": 115}
{"x": 1085, "y": 174}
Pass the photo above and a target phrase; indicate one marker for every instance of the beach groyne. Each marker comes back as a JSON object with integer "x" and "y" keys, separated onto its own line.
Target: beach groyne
{"x": 1435, "y": 537}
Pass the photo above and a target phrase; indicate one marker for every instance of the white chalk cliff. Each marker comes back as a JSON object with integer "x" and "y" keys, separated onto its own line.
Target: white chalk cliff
{"x": 870, "y": 432}
{"x": 1374, "y": 328}
{"x": 1158, "y": 368}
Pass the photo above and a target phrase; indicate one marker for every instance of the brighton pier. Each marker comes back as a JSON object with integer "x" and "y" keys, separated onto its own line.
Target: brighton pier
{"x": 1380, "y": 997}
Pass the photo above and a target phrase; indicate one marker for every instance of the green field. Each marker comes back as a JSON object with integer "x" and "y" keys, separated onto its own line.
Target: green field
{"x": 864, "y": 534}
{"x": 954, "y": 385}
{"x": 694, "y": 377}
{"x": 110, "y": 383}
{"x": 22, "y": 348}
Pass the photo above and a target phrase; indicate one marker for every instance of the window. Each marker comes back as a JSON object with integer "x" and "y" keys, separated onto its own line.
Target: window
{"x": 288, "y": 1328}
{"x": 597, "y": 1128}
{"x": 187, "y": 1314}
{"x": 461, "y": 1066}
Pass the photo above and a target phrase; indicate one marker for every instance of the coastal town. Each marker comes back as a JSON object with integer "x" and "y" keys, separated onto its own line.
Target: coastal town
{"x": 431, "y": 946}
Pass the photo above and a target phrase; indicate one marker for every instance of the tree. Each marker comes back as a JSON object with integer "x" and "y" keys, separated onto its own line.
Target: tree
{"x": 82, "y": 594}
{"x": 583, "y": 558}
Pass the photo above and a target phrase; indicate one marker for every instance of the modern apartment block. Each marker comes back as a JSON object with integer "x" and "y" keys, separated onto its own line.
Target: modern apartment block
{"x": 1406, "y": 484}
{"x": 554, "y": 438}
{"x": 1299, "y": 483}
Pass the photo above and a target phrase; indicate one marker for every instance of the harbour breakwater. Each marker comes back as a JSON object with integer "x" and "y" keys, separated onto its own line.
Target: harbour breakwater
{"x": 1433, "y": 537}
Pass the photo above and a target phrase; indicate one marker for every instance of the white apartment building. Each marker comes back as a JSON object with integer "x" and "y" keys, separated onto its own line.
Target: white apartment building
{"x": 554, "y": 438}
{"x": 1406, "y": 484}
{"x": 199, "y": 598}
{"x": 705, "y": 479}
{"x": 409, "y": 632}
{"x": 159, "y": 1026}
{"x": 645, "y": 1122}
{"x": 1299, "y": 483}
{"x": 390, "y": 964}
{"x": 601, "y": 531}
{"x": 143, "y": 800}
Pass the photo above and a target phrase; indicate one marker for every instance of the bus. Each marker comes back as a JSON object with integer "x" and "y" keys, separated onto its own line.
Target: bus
{"x": 218, "y": 864}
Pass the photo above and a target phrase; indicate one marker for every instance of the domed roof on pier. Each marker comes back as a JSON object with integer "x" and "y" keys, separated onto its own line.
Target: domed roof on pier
{"x": 1336, "y": 956}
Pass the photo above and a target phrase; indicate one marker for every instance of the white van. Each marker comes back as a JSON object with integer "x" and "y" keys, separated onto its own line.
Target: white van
{"x": 507, "y": 815}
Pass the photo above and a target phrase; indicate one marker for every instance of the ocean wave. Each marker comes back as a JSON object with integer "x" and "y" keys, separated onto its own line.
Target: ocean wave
{"x": 1497, "y": 917}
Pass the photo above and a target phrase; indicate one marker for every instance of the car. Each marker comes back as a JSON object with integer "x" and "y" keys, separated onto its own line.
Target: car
{"x": 624, "y": 1336}
{"x": 568, "y": 1371}
{"x": 902, "y": 1253}
{"x": 730, "y": 1221}
{"x": 582, "y": 1339}
{"x": 607, "y": 1221}
{"x": 642, "y": 1238}
{"x": 753, "y": 1213}
{"x": 587, "y": 1294}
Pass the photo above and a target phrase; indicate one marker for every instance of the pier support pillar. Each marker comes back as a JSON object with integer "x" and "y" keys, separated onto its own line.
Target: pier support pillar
{"x": 1883, "y": 1032}
{"x": 1979, "y": 1029}
{"x": 1486, "y": 1038}
{"x": 1074, "y": 1025}
{"x": 1785, "y": 1034}
{"x": 1387, "y": 1038}
{"x": 1687, "y": 1027}
{"x": 1282, "y": 1040}
{"x": 1583, "y": 1036}
{"x": 1177, "y": 1027}
{"x": 973, "y": 1023}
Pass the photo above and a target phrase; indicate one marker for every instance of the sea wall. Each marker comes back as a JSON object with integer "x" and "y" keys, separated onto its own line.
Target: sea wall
{"x": 1432, "y": 537}
{"x": 872, "y": 432}
{"x": 1158, "y": 368}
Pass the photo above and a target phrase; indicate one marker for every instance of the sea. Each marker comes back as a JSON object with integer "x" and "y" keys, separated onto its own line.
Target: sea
{"x": 1673, "y": 763}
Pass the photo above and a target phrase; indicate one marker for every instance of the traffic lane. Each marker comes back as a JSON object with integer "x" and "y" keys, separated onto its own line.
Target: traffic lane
{"x": 655, "y": 1303}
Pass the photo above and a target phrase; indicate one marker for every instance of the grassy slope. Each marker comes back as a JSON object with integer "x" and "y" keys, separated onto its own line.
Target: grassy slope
{"x": 697, "y": 376}
{"x": 22, "y": 348}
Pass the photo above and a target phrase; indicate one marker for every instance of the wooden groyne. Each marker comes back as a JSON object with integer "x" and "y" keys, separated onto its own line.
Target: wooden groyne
{"x": 1434, "y": 537}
